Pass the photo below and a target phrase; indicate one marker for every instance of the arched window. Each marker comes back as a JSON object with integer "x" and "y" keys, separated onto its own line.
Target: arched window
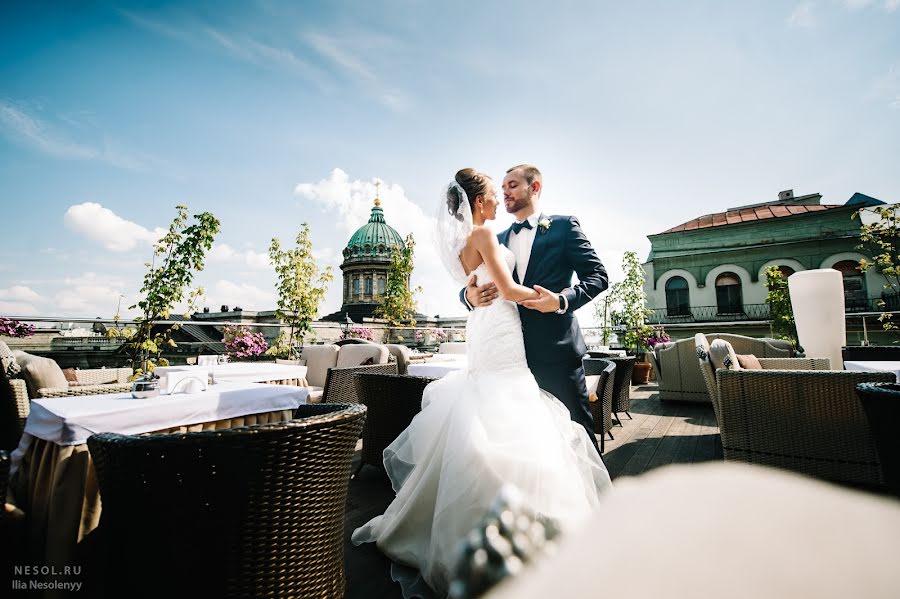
{"x": 368, "y": 285}
{"x": 678, "y": 301}
{"x": 855, "y": 295}
{"x": 355, "y": 285}
{"x": 729, "y": 299}
{"x": 786, "y": 271}
{"x": 380, "y": 285}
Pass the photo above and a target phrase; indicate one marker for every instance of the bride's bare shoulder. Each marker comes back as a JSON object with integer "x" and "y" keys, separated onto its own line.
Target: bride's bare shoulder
{"x": 482, "y": 234}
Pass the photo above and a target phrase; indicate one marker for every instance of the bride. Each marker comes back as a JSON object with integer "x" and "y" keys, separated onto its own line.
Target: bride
{"x": 482, "y": 427}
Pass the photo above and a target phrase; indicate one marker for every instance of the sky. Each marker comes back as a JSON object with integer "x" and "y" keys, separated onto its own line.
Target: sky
{"x": 641, "y": 115}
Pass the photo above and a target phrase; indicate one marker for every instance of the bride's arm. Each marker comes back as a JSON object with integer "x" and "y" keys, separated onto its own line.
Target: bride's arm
{"x": 487, "y": 245}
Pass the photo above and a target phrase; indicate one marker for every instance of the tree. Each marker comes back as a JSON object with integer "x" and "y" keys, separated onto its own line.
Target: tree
{"x": 603, "y": 314}
{"x": 399, "y": 299}
{"x": 629, "y": 300}
{"x": 301, "y": 288}
{"x": 881, "y": 239}
{"x": 181, "y": 252}
{"x": 780, "y": 309}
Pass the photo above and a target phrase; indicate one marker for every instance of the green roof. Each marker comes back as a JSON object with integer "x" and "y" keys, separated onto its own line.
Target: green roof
{"x": 373, "y": 239}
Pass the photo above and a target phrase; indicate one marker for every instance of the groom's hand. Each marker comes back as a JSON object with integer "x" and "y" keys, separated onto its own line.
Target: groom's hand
{"x": 545, "y": 302}
{"x": 480, "y": 296}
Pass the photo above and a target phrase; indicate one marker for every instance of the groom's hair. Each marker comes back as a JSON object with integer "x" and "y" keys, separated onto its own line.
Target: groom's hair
{"x": 529, "y": 171}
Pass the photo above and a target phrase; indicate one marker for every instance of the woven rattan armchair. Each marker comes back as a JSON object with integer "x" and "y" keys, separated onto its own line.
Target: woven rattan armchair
{"x": 340, "y": 386}
{"x": 393, "y": 401}
{"x": 255, "y": 511}
{"x": 600, "y": 395}
{"x": 808, "y": 420}
{"x": 675, "y": 364}
{"x": 621, "y": 401}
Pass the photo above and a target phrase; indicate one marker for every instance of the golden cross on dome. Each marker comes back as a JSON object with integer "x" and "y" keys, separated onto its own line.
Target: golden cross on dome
{"x": 377, "y": 192}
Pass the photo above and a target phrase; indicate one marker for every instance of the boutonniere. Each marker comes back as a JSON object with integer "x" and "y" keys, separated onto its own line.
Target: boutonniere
{"x": 544, "y": 225}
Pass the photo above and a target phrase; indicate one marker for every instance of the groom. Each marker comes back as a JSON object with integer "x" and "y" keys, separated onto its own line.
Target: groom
{"x": 548, "y": 251}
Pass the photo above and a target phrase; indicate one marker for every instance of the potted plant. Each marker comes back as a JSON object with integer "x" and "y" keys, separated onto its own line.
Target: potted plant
{"x": 243, "y": 344}
{"x": 652, "y": 337}
{"x": 631, "y": 313}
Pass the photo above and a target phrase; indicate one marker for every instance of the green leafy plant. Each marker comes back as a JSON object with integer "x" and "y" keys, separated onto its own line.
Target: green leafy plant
{"x": 399, "y": 300}
{"x": 780, "y": 310}
{"x": 629, "y": 301}
{"x": 177, "y": 256}
{"x": 881, "y": 239}
{"x": 301, "y": 289}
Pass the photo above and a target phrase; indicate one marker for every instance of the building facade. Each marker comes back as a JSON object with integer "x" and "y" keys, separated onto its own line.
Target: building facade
{"x": 711, "y": 269}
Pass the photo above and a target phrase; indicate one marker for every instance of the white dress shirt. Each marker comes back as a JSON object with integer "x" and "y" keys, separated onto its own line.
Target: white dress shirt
{"x": 520, "y": 244}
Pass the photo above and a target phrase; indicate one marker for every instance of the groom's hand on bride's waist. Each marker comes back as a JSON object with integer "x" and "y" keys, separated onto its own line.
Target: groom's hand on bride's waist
{"x": 480, "y": 296}
{"x": 545, "y": 302}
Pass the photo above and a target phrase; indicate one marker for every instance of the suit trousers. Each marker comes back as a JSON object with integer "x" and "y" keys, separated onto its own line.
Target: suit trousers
{"x": 567, "y": 384}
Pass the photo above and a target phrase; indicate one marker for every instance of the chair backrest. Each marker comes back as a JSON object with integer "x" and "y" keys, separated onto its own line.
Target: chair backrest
{"x": 393, "y": 401}
{"x": 759, "y": 347}
{"x": 357, "y": 354}
{"x": 811, "y": 422}
{"x": 319, "y": 358}
{"x": 452, "y": 347}
{"x": 401, "y": 353}
{"x": 248, "y": 511}
{"x": 701, "y": 348}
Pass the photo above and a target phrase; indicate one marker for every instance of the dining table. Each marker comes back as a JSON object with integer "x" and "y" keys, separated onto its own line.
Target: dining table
{"x": 52, "y": 476}
{"x": 439, "y": 365}
{"x": 243, "y": 372}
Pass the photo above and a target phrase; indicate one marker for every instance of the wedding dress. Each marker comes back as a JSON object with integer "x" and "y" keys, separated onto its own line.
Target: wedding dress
{"x": 479, "y": 429}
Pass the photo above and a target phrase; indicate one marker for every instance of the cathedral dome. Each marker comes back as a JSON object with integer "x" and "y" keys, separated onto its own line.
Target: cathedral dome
{"x": 374, "y": 240}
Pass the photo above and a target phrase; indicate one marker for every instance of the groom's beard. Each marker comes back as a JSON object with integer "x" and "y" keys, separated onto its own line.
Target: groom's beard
{"x": 516, "y": 205}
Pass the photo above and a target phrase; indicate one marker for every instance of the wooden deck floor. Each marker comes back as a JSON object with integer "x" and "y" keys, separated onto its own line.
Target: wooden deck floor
{"x": 658, "y": 434}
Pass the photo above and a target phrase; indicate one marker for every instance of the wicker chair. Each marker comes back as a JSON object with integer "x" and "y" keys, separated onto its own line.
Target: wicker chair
{"x": 675, "y": 364}
{"x": 621, "y": 401}
{"x": 340, "y": 386}
{"x": 807, "y": 419}
{"x": 393, "y": 401}
{"x": 600, "y": 395}
{"x": 254, "y": 511}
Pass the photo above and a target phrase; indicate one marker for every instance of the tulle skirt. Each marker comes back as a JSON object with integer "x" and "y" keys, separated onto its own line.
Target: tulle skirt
{"x": 476, "y": 432}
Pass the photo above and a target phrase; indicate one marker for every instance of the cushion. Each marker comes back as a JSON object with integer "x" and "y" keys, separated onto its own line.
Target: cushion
{"x": 592, "y": 382}
{"x": 356, "y": 353}
{"x": 749, "y": 362}
{"x": 41, "y": 373}
{"x": 319, "y": 358}
{"x": 70, "y": 375}
{"x": 722, "y": 355}
{"x": 315, "y": 395}
{"x": 8, "y": 361}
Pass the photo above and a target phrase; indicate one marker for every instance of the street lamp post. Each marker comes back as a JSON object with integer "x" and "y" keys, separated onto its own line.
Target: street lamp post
{"x": 346, "y": 324}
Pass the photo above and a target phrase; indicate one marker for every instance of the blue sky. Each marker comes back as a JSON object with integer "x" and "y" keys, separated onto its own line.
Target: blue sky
{"x": 642, "y": 115}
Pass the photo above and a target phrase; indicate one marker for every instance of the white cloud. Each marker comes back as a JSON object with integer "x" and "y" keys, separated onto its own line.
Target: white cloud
{"x": 17, "y": 125}
{"x": 891, "y": 5}
{"x": 337, "y": 50}
{"x": 802, "y": 17}
{"x": 248, "y": 297}
{"x": 224, "y": 253}
{"x": 18, "y": 309}
{"x": 107, "y": 228}
{"x": 88, "y": 300}
{"x": 20, "y": 293}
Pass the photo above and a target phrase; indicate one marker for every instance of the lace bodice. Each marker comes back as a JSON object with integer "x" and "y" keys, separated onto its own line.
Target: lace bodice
{"x": 494, "y": 334}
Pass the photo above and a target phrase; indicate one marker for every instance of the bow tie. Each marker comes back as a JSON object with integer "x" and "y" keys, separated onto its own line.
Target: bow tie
{"x": 516, "y": 227}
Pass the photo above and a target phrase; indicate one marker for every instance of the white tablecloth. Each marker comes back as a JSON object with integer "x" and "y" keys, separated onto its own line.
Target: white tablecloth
{"x": 874, "y": 366}
{"x": 435, "y": 369}
{"x": 71, "y": 420}
{"x": 243, "y": 372}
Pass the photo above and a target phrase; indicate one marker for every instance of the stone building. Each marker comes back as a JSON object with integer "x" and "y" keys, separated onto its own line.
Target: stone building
{"x": 367, "y": 259}
{"x": 711, "y": 269}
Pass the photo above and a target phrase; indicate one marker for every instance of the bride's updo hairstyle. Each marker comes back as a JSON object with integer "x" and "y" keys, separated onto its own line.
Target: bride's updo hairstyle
{"x": 473, "y": 183}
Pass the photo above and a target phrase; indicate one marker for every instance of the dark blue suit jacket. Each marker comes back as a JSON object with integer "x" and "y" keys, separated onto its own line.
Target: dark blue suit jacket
{"x": 560, "y": 251}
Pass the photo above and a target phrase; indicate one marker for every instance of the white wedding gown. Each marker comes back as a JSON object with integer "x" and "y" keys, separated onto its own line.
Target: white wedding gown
{"x": 480, "y": 428}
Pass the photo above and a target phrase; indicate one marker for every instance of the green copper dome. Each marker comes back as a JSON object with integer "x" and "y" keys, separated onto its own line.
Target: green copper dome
{"x": 373, "y": 240}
